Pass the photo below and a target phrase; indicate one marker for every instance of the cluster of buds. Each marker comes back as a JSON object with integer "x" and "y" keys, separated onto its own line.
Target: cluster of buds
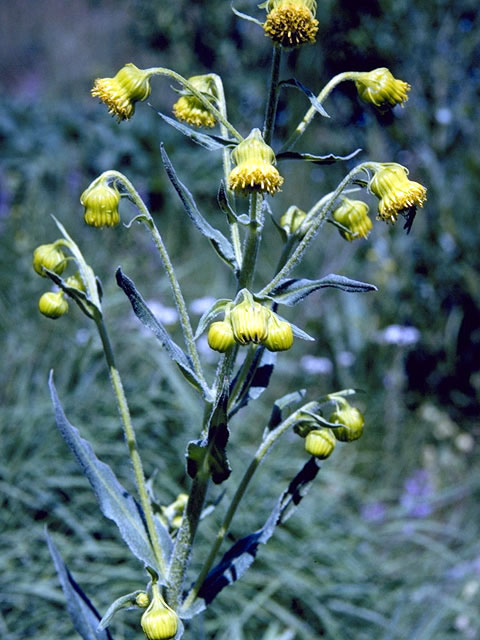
{"x": 190, "y": 109}
{"x": 250, "y": 322}
{"x": 121, "y": 92}
{"x": 101, "y": 202}
{"x": 255, "y": 170}
{"x": 159, "y": 622}
{"x": 291, "y": 23}
{"x": 381, "y": 89}
{"x": 353, "y": 215}
{"x": 396, "y": 192}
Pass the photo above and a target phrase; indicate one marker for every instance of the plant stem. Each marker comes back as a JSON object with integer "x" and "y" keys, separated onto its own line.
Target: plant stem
{"x": 251, "y": 244}
{"x": 315, "y": 225}
{"x": 132, "y": 443}
{"x": 322, "y": 96}
{"x": 271, "y": 109}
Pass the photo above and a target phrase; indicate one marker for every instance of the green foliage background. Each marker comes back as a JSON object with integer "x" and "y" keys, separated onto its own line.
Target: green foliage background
{"x": 386, "y": 545}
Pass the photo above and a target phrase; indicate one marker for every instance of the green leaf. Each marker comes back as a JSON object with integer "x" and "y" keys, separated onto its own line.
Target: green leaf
{"x": 294, "y": 290}
{"x": 84, "y": 616}
{"x": 114, "y": 501}
{"x": 256, "y": 380}
{"x": 309, "y": 157}
{"x": 206, "y": 140}
{"x": 220, "y": 243}
{"x": 217, "y": 307}
{"x": 147, "y": 318}
{"x": 296, "y": 84}
{"x": 124, "y": 602}
{"x": 245, "y": 16}
{"x": 226, "y": 208}
{"x": 209, "y": 455}
{"x": 281, "y": 405}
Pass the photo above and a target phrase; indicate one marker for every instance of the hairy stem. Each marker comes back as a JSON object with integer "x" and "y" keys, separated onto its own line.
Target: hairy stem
{"x": 271, "y": 109}
{"x": 252, "y": 244}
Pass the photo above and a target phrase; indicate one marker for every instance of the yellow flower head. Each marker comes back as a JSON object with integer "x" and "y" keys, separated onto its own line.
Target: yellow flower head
{"x": 396, "y": 192}
{"x": 48, "y": 256}
{"x": 189, "y": 108}
{"x": 291, "y": 23}
{"x": 255, "y": 171}
{"x": 220, "y": 336}
{"x": 120, "y": 93}
{"x": 353, "y": 214}
{"x": 292, "y": 219}
{"x": 53, "y": 304}
{"x": 279, "y": 334}
{"x": 159, "y": 622}
{"x": 351, "y": 418}
{"x": 380, "y": 88}
{"x": 101, "y": 205}
{"x": 320, "y": 443}
{"x": 250, "y": 321}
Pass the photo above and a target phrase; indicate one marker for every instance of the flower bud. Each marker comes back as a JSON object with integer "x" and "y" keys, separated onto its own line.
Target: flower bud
{"x": 53, "y": 304}
{"x": 142, "y": 600}
{"x": 380, "y": 88}
{"x": 101, "y": 205}
{"x": 292, "y": 219}
{"x": 48, "y": 256}
{"x": 120, "y": 93}
{"x": 320, "y": 443}
{"x": 189, "y": 108}
{"x": 280, "y": 334}
{"x": 220, "y": 336}
{"x": 353, "y": 214}
{"x": 353, "y": 421}
{"x": 254, "y": 171}
{"x": 250, "y": 322}
{"x": 291, "y": 23}
{"x": 75, "y": 282}
{"x": 159, "y": 622}
{"x": 396, "y": 192}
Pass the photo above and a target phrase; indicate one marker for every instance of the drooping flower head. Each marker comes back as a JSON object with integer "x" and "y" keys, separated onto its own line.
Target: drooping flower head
{"x": 189, "y": 108}
{"x": 53, "y": 304}
{"x": 279, "y": 334}
{"x": 101, "y": 204}
{"x": 250, "y": 321}
{"x": 49, "y": 256}
{"x": 353, "y": 215}
{"x": 351, "y": 418}
{"x": 159, "y": 622}
{"x": 121, "y": 92}
{"x": 397, "y": 193}
{"x": 320, "y": 443}
{"x": 255, "y": 170}
{"x": 380, "y": 88}
{"x": 291, "y": 23}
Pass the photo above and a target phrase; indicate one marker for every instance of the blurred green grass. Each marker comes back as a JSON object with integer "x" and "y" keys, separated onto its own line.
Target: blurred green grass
{"x": 386, "y": 543}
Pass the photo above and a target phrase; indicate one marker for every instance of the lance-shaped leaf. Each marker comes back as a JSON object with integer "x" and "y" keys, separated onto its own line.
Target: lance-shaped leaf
{"x": 209, "y": 455}
{"x": 245, "y": 16}
{"x": 206, "y": 140}
{"x": 84, "y": 616}
{"x": 220, "y": 243}
{"x": 296, "y": 84}
{"x": 145, "y": 315}
{"x": 283, "y": 404}
{"x": 128, "y": 601}
{"x": 217, "y": 307}
{"x": 227, "y": 209}
{"x": 256, "y": 380}
{"x": 114, "y": 500}
{"x": 239, "y": 558}
{"x": 293, "y": 290}
{"x": 310, "y": 157}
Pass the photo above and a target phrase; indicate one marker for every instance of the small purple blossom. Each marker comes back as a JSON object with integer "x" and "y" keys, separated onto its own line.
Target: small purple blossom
{"x": 399, "y": 335}
{"x": 374, "y": 511}
{"x": 418, "y": 490}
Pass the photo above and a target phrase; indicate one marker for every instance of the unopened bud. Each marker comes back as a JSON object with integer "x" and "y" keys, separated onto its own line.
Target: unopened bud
{"x": 48, "y": 256}
{"x": 159, "y": 622}
{"x": 320, "y": 443}
{"x": 53, "y": 304}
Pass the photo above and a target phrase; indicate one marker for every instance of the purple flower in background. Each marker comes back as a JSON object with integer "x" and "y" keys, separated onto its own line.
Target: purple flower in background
{"x": 399, "y": 335}
{"x": 374, "y": 511}
{"x": 418, "y": 490}
{"x": 316, "y": 365}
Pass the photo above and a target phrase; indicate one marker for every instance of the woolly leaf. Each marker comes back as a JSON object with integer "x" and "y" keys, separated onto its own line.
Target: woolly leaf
{"x": 296, "y": 84}
{"x": 294, "y": 290}
{"x": 127, "y": 601}
{"x": 257, "y": 379}
{"x": 310, "y": 157}
{"x": 282, "y": 404}
{"x": 217, "y": 307}
{"x": 206, "y": 140}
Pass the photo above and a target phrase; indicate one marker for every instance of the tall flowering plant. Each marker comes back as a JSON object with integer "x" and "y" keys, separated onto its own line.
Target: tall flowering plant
{"x": 245, "y": 328}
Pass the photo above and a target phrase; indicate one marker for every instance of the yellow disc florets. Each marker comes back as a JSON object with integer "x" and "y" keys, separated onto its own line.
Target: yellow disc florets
{"x": 353, "y": 215}
{"x": 120, "y": 93}
{"x": 189, "y": 108}
{"x": 291, "y": 23}
{"x": 101, "y": 205}
{"x": 255, "y": 171}
{"x": 159, "y": 622}
{"x": 351, "y": 418}
{"x": 380, "y": 88}
{"x": 48, "y": 256}
{"x": 53, "y": 304}
{"x": 320, "y": 443}
{"x": 396, "y": 192}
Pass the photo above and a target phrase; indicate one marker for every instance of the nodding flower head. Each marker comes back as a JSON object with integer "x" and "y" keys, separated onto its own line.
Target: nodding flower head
{"x": 220, "y": 336}
{"x": 48, "y": 256}
{"x": 159, "y": 622}
{"x": 279, "y": 334}
{"x": 396, "y": 192}
{"x": 121, "y": 92}
{"x": 351, "y": 418}
{"x": 380, "y": 88}
{"x": 53, "y": 304}
{"x": 320, "y": 443}
{"x": 190, "y": 109}
{"x": 250, "y": 321}
{"x": 292, "y": 220}
{"x": 291, "y": 23}
{"x": 101, "y": 205}
{"x": 255, "y": 171}
{"x": 353, "y": 215}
